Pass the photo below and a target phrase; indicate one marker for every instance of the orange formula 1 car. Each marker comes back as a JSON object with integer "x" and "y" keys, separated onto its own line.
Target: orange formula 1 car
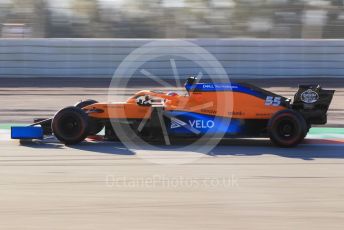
{"x": 210, "y": 110}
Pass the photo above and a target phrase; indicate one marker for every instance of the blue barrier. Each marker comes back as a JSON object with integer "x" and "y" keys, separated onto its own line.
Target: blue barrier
{"x": 241, "y": 58}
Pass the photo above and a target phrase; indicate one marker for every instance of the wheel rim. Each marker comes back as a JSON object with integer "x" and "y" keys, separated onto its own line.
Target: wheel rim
{"x": 70, "y": 126}
{"x": 286, "y": 129}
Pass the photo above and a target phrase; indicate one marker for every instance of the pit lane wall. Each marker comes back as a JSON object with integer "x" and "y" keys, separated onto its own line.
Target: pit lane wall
{"x": 241, "y": 58}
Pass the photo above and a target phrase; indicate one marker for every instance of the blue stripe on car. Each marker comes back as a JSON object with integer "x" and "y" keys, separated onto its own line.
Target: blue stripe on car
{"x": 214, "y": 87}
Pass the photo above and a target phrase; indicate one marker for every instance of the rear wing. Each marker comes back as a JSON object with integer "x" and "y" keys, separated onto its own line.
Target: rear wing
{"x": 313, "y": 103}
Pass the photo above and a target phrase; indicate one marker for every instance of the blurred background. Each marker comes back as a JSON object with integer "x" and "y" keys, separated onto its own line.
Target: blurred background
{"x": 172, "y": 18}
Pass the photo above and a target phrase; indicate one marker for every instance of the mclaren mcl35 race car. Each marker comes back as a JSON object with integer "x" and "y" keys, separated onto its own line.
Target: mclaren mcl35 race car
{"x": 206, "y": 110}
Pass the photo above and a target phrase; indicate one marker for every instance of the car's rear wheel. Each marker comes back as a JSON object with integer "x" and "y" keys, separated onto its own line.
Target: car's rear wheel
{"x": 70, "y": 125}
{"x": 287, "y": 128}
{"x": 95, "y": 125}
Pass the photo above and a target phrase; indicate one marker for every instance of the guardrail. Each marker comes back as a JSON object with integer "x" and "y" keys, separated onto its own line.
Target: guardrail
{"x": 241, "y": 58}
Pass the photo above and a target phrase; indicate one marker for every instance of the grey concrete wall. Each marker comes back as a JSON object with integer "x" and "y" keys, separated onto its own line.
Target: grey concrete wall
{"x": 241, "y": 58}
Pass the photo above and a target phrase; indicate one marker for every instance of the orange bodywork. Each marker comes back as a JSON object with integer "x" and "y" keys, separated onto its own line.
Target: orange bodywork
{"x": 223, "y": 104}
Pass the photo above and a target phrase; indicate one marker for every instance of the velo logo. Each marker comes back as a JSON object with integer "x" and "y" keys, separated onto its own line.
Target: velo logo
{"x": 198, "y": 124}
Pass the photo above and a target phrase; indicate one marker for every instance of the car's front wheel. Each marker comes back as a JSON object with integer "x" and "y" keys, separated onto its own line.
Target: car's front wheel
{"x": 95, "y": 125}
{"x": 70, "y": 125}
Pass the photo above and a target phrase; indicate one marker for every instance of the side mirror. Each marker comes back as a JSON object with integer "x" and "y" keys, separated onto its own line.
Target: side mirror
{"x": 190, "y": 81}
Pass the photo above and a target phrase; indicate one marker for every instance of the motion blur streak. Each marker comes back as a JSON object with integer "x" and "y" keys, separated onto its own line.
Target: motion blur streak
{"x": 172, "y": 18}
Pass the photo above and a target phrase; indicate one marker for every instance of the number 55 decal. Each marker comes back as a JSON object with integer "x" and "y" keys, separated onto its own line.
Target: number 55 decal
{"x": 272, "y": 101}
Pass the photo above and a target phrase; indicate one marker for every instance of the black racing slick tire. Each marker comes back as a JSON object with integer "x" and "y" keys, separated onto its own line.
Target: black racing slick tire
{"x": 287, "y": 128}
{"x": 70, "y": 125}
{"x": 95, "y": 125}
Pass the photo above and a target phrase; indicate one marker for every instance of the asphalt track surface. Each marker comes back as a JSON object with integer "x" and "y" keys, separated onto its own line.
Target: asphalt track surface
{"x": 240, "y": 184}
